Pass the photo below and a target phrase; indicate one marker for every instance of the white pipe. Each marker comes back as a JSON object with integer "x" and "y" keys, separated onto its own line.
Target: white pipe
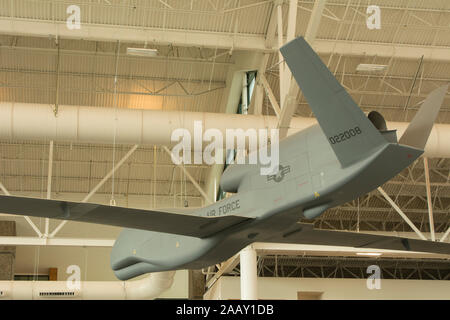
{"x": 21, "y": 121}
{"x": 249, "y": 276}
{"x": 148, "y": 288}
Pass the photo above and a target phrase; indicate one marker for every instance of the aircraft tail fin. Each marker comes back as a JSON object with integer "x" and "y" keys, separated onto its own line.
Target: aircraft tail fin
{"x": 418, "y": 131}
{"x": 351, "y": 134}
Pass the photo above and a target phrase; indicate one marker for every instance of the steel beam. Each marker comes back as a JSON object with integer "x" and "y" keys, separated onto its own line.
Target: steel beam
{"x": 384, "y": 50}
{"x": 189, "y": 38}
{"x": 5, "y": 191}
{"x": 444, "y": 237}
{"x": 270, "y": 95}
{"x": 281, "y": 64}
{"x": 213, "y": 39}
{"x": 289, "y": 103}
{"x": 330, "y": 251}
{"x": 66, "y": 242}
{"x": 33, "y": 226}
{"x": 99, "y": 185}
{"x": 292, "y": 20}
{"x": 256, "y": 103}
{"x": 314, "y": 20}
{"x": 290, "y": 35}
{"x": 429, "y": 200}
{"x": 225, "y": 267}
{"x": 258, "y": 99}
{"x": 196, "y": 185}
{"x": 400, "y": 212}
{"x": 272, "y": 26}
{"x": 109, "y": 175}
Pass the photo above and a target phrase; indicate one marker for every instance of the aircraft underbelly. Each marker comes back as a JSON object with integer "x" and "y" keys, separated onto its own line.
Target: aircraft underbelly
{"x": 387, "y": 164}
{"x": 138, "y": 251}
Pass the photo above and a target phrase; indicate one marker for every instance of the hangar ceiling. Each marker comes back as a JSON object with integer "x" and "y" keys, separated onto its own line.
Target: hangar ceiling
{"x": 199, "y": 43}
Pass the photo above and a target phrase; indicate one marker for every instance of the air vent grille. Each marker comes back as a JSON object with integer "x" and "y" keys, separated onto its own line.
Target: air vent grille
{"x": 57, "y": 294}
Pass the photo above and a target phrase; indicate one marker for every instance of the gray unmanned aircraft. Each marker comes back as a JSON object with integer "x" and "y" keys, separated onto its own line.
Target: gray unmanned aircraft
{"x": 346, "y": 155}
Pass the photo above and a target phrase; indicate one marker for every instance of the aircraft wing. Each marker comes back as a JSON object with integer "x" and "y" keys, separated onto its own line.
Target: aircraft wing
{"x": 152, "y": 220}
{"x": 306, "y": 234}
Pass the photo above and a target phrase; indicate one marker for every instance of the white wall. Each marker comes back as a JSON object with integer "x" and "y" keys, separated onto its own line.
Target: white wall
{"x": 94, "y": 262}
{"x": 333, "y": 289}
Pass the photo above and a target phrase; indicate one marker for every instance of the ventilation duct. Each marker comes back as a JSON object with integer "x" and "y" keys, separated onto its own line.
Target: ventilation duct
{"x": 21, "y": 121}
{"x": 150, "y": 287}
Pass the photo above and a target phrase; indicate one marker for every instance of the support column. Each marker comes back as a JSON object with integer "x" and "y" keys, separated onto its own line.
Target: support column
{"x": 281, "y": 65}
{"x": 196, "y": 285}
{"x": 429, "y": 200}
{"x": 49, "y": 177}
{"x": 256, "y": 103}
{"x": 244, "y": 62}
{"x": 244, "y": 98}
{"x": 288, "y": 103}
{"x": 249, "y": 276}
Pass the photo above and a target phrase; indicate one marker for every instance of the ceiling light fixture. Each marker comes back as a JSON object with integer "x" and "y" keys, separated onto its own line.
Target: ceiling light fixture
{"x": 142, "y": 52}
{"x": 367, "y": 67}
{"x": 370, "y": 254}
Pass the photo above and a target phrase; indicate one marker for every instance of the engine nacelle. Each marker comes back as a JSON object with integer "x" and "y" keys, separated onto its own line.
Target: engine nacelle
{"x": 378, "y": 121}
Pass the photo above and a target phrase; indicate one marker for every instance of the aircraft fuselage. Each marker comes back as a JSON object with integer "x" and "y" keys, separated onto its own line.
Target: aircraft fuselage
{"x": 310, "y": 181}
